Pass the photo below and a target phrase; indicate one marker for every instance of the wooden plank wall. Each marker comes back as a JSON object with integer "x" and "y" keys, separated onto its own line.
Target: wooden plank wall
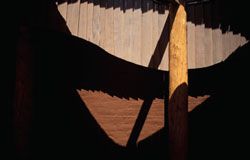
{"x": 135, "y": 30}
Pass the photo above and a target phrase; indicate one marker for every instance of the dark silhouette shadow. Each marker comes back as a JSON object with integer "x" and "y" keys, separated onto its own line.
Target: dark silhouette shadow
{"x": 61, "y": 124}
{"x": 154, "y": 146}
{"x": 161, "y": 46}
{"x": 122, "y": 4}
{"x": 157, "y": 145}
{"x": 178, "y": 122}
{"x": 218, "y": 127}
{"x": 220, "y": 77}
{"x": 63, "y": 127}
{"x": 42, "y": 14}
{"x": 79, "y": 64}
{"x": 142, "y": 116}
{"x": 220, "y": 14}
{"x": 224, "y": 14}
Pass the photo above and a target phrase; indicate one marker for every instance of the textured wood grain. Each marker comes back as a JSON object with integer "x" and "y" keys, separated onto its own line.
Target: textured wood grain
{"x": 96, "y": 22}
{"x": 163, "y": 29}
{"x": 102, "y": 24}
{"x": 216, "y": 33}
{"x": 82, "y": 30}
{"x": 62, "y": 8}
{"x": 225, "y": 42}
{"x": 118, "y": 28}
{"x": 199, "y": 37}
{"x": 73, "y": 16}
{"x": 136, "y": 32}
{"x": 191, "y": 36}
{"x": 208, "y": 39}
{"x": 178, "y": 93}
{"x": 131, "y": 30}
{"x": 147, "y": 29}
{"x": 155, "y": 37}
{"x": 90, "y": 20}
{"x": 109, "y": 27}
{"x": 128, "y": 24}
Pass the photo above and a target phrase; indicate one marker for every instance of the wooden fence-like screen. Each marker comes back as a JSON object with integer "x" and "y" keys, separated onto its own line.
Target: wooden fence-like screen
{"x": 137, "y": 30}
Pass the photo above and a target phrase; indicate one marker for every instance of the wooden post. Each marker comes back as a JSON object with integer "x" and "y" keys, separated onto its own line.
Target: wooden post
{"x": 178, "y": 90}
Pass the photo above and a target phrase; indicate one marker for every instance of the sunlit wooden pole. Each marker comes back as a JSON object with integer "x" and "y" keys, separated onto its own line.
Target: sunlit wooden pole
{"x": 178, "y": 84}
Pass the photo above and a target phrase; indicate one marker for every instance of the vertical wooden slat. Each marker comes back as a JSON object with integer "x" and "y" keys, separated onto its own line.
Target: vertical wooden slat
{"x": 109, "y": 27}
{"x": 199, "y": 37}
{"x": 242, "y": 40}
{"x": 118, "y": 28}
{"x": 233, "y": 45}
{"x": 178, "y": 92}
{"x": 73, "y": 16}
{"x": 82, "y": 30}
{"x": 226, "y": 39}
{"x": 89, "y": 20}
{"x": 62, "y": 8}
{"x": 162, "y": 18}
{"x": 96, "y": 22}
{"x": 128, "y": 6}
{"x": 191, "y": 36}
{"x": 102, "y": 23}
{"x": 238, "y": 42}
{"x": 225, "y": 43}
{"x": 136, "y": 32}
{"x": 208, "y": 41}
{"x": 155, "y": 37}
{"x": 216, "y": 33}
{"x": 234, "y": 41}
{"x": 146, "y": 32}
